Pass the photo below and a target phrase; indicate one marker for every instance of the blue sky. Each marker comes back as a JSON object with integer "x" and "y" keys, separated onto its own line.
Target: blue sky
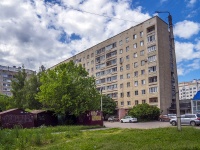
{"x": 46, "y": 32}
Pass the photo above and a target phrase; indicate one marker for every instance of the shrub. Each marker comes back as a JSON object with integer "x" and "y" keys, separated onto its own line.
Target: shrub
{"x": 145, "y": 112}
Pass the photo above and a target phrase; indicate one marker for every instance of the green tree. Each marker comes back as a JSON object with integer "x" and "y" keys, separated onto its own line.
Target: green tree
{"x": 31, "y": 88}
{"x": 18, "y": 84}
{"x": 145, "y": 112}
{"x": 4, "y": 102}
{"x": 67, "y": 89}
{"x": 108, "y": 105}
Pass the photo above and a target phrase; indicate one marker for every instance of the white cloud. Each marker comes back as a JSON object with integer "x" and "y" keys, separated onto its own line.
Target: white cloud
{"x": 191, "y": 3}
{"x": 186, "y": 29}
{"x": 184, "y": 51}
{"x": 31, "y": 31}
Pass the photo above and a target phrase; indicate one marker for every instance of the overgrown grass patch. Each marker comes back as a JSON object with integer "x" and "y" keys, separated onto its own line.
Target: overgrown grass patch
{"x": 74, "y": 138}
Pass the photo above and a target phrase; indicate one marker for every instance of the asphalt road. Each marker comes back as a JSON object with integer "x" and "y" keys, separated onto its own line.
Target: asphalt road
{"x": 138, "y": 125}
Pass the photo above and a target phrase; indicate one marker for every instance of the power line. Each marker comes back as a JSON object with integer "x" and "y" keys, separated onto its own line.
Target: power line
{"x": 99, "y": 14}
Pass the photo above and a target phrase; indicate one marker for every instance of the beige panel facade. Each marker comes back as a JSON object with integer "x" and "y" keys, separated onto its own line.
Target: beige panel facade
{"x": 133, "y": 67}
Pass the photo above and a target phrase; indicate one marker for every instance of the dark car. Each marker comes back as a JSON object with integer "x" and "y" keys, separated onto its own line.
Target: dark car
{"x": 167, "y": 117}
{"x": 113, "y": 118}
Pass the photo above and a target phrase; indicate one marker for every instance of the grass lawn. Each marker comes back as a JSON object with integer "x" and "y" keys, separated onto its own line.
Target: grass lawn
{"x": 72, "y": 138}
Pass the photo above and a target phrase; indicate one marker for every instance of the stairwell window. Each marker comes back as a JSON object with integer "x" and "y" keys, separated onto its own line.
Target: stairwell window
{"x": 153, "y": 90}
{"x": 135, "y": 55}
{"x": 135, "y": 45}
{"x": 151, "y": 38}
{"x": 141, "y": 43}
{"x": 152, "y": 58}
{"x": 135, "y": 36}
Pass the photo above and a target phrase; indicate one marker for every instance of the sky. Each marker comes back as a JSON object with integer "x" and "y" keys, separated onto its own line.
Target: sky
{"x": 46, "y": 32}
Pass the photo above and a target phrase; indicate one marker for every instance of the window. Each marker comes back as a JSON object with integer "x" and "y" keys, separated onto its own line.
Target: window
{"x": 122, "y": 103}
{"x": 143, "y": 82}
{"x": 127, "y": 48}
{"x": 121, "y": 51}
{"x": 152, "y": 69}
{"x": 128, "y": 94}
{"x": 128, "y": 67}
{"x": 111, "y": 87}
{"x": 127, "y": 57}
{"x": 128, "y": 75}
{"x": 135, "y": 73}
{"x": 136, "y": 102}
{"x": 153, "y": 100}
{"x": 121, "y": 85}
{"x": 143, "y": 92}
{"x": 88, "y": 63}
{"x": 153, "y": 90}
{"x": 92, "y": 62}
{"x": 121, "y": 76}
{"x": 111, "y": 62}
{"x": 135, "y": 65}
{"x": 88, "y": 70}
{"x": 92, "y": 55}
{"x": 152, "y": 79}
{"x": 150, "y": 29}
{"x": 136, "y": 83}
{"x": 136, "y": 92}
{"x": 152, "y": 58}
{"x": 143, "y": 101}
{"x": 142, "y": 62}
{"x": 141, "y": 52}
{"x": 121, "y": 68}
{"x": 120, "y": 42}
{"x": 134, "y": 36}
{"x": 135, "y": 45}
{"x": 141, "y": 43}
{"x": 84, "y": 65}
{"x": 122, "y": 94}
{"x": 128, "y": 103}
{"x": 111, "y": 54}
{"x": 135, "y": 55}
{"x": 142, "y": 72}
{"x": 88, "y": 56}
{"x": 121, "y": 59}
{"x": 151, "y": 48}
{"x": 141, "y": 33}
{"x": 127, "y": 40}
{"x": 113, "y": 45}
{"x": 151, "y": 38}
{"x": 128, "y": 84}
{"x": 92, "y": 69}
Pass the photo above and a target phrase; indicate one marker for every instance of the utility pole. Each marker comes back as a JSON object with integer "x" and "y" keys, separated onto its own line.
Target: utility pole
{"x": 174, "y": 69}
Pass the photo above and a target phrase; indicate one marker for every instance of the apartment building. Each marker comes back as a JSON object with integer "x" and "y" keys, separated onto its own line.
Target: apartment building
{"x": 187, "y": 90}
{"x": 6, "y": 75}
{"x": 135, "y": 66}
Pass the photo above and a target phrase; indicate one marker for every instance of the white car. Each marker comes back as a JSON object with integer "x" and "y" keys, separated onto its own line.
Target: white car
{"x": 128, "y": 119}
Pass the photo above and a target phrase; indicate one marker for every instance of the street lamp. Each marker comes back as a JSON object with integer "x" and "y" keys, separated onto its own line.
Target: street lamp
{"x": 101, "y": 100}
{"x": 172, "y": 48}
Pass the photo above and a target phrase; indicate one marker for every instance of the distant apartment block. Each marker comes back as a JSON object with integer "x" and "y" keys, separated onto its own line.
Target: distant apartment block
{"x": 187, "y": 90}
{"x": 6, "y": 75}
{"x": 135, "y": 66}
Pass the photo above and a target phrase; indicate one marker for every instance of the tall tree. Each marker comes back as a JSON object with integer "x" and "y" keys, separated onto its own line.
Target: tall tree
{"x": 67, "y": 89}
{"x": 18, "y": 88}
{"x": 108, "y": 106}
{"x": 31, "y": 88}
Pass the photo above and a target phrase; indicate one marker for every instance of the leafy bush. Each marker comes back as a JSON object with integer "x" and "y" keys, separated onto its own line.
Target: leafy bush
{"x": 145, "y": 112}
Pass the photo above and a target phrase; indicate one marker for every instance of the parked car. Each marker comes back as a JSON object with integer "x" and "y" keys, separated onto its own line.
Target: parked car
{"x": 128, "y": 119}
{"x": 113, "y": 118}
{"x": 190, "y": 119}
{"x": 167, "y": 117}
